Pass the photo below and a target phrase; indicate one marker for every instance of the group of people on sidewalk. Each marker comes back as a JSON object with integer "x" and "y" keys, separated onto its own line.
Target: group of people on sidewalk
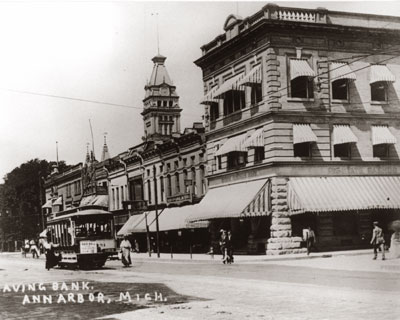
{"x": 31, "y": 247}
{"x": 226, "y": 246}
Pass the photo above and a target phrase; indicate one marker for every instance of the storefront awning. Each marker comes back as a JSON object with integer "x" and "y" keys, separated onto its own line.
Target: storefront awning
{"x": 168, "y": 219}
{"x": 235, "y": 143}
{"x": 176, "y": 219}
{"x": 209, "y": 97}
{"x": 256, "y": 139}
{"x": 58, "y": 202}
{"x": 303, "y": 133}
{"x": 253, "y": 77}
{"x": 238, "y": 200}
{"x": 341, "y": 70}
{"x": 230, "y": 84}
{"x": 300, "y": 68}
{"x": 381, "y": 73}
{"x": 343, "y": 134}
{"x": 48, "y": 204}
{"x": 381, "y": 135}
{"x": 135, "y": 223}
{"x": 322, "y": 194}
{"x": 94, "y": 200}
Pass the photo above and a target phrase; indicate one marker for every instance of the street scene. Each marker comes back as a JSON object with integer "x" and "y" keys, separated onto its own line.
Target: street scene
{"x": 348, "y": 286}
{"x": 200, "y": 160}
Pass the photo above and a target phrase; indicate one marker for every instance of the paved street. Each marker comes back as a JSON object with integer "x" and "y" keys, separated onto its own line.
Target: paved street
{"x": 319, "y": 288}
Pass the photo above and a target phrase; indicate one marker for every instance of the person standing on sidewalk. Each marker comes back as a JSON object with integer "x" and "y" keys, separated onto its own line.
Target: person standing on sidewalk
{"x": 310, "y": 240}
{"x": 222, "y": 245}
{"x": 229, "y": 246}
{"x": 378, "y": 240}
{"x": 126, "y": 252}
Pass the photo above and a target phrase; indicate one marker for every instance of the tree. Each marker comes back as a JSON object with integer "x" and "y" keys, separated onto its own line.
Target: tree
{"x": 22, "y": 196}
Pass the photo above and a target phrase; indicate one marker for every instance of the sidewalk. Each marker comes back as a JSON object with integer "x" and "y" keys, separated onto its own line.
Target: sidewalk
{"x": 202, "y": 257}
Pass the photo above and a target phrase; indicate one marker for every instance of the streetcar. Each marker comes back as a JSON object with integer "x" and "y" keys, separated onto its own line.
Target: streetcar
{"x": 84, "y": 236}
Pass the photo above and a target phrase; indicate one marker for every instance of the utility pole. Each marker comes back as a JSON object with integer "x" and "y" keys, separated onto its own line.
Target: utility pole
{"x": 156, "y": 208}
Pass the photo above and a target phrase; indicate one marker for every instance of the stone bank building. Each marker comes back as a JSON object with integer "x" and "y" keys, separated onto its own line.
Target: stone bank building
{"x": 302, "y": 125}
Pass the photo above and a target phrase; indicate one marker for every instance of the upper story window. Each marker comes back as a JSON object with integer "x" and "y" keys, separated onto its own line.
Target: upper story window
{"x": 301, "y": 79}
{"x": 214, "y": 111}
{"x": 342, "y": 138}
{"x": 233, "y": 101}
{"x": 213, "y": 103}
{"x": 68, "y": 190}
{"x": 253, "y": 79}
{"x": 340, "y": 76}
{"x": 382, "y": 139}
{"x": 303, "y": 138}
{"x": 233, "y": 94}
{"x": 380, "y": 76}
{"x": 236, "y": 159}
{"x": 176, "y": 165}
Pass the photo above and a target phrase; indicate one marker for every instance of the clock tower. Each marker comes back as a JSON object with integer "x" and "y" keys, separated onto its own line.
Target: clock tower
{"x": 161, "y": 112}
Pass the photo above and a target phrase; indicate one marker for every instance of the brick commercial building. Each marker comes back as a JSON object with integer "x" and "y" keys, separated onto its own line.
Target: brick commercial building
{"x": 302, "y": 128}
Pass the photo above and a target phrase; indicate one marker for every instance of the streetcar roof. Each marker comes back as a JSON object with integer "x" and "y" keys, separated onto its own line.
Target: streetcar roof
{"x": 85, "y": 212}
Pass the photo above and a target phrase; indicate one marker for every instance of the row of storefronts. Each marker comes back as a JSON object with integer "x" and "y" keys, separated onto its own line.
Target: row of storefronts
{"x": 297, "y": 133}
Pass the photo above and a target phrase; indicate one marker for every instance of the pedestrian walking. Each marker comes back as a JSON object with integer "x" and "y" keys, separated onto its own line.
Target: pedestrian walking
{"x": 26, "y": 247}
{"x": 378, "y": 240}
{"x": 51, "y": 258}
{"x": 126, "y": 252}
{"x": 310, "y": 239}
{"x": 223, "y": 246}
{"x": 229, "y": 246}
{"x": 34, "y": 249}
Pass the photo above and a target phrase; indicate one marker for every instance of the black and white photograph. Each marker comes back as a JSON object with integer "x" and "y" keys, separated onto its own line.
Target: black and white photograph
{"x": 220, "y": 160}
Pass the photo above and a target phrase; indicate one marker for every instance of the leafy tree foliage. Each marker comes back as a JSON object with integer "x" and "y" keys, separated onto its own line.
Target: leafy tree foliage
{"x": 22, "y": 196}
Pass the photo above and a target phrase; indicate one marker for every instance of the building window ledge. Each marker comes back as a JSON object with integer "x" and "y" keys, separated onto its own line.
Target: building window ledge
{"x": 379, "y": 103}
{"x": 340, "y": 101}
{"x": 292, "y": 99}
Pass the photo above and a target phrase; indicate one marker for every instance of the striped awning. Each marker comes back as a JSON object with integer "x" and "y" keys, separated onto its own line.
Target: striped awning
{"x": 230, "y": 84}
{"x": 300, "y": 68}
{"x": 48, "y": 204}
{"x": 209, "y": 97}
{"x": 233, "y": 144}
{"x": 341, "y": 70}
{"x": 176, "y": 219}
{"x": 253, "y": 77}
{"x": 303, "y": 133}
{"x": 168, "y": 219}
{"x": 380, "y": 73}
{"x": 58, "y": 202}
{"x": 381, "y": 135}
{"x": 256, "y": 139}
{"x": 137, "y": 223}
{"x": 238, "y": 200}
{"x": 322, "y": 194}
{"x": 343, "y": 134}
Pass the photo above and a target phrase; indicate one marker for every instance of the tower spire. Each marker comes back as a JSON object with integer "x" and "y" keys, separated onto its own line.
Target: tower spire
{"x": 105, "y": 154}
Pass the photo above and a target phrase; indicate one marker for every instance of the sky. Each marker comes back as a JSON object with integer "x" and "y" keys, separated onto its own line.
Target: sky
{"x": 101, "y": 51}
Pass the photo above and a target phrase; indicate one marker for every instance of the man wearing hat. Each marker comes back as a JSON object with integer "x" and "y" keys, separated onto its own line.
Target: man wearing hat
{"x": 378, "y": 241}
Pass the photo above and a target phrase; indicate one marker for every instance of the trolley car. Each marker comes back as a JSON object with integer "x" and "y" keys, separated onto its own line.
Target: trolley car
{"x": 83, "y": 236}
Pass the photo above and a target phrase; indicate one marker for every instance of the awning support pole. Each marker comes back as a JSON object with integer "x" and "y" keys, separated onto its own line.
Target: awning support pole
{"x": 155, "y": 202}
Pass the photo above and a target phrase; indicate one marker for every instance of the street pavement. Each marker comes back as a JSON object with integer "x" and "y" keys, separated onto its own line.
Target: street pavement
{"x": 328, "y": 286}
